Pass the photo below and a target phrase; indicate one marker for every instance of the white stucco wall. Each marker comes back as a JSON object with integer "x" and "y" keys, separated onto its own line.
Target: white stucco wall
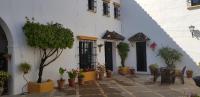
{"x": 73, "y": 14}
{"x": 166, "y": 23}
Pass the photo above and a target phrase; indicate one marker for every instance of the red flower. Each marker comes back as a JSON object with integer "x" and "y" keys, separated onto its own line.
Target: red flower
{"x": 153, "y": 46}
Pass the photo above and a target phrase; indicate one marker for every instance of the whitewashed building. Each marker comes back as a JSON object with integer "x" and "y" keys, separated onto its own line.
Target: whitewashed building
{"x": 164, "y": 22}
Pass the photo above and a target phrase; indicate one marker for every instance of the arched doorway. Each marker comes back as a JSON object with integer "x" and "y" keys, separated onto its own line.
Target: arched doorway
{"x": 3, "y": 55}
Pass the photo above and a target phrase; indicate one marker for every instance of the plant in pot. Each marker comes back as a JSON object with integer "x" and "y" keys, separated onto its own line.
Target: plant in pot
{"x": 189, "y": 73}
{"x": 100, "y": 71}
{"x": 170, "y": 56}
{"x": 3, "y": 77}
{"x": 61, "y": 81}
{"x": 72, "y": 74}
{"x": 108, "y": 73}
{"x": 24, "y": 68}
{"x": 154, "y": 69}
{"x": 50, "y": 39}
{"x": 123, "y": 49}
{"x": 80, "y": 77}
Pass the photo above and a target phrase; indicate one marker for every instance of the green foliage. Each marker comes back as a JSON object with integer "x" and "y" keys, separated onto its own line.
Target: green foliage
{"x": 51, "y": 35}
{"x": 72, "y": 74}
{"x": 61, "y": 71}
{"x": 170, "y": 56}
{"x": 3, "y": 77}
{"x": 123, "y": 49}
{"x": 25, "y": 67}
{"x": 80, "y": 74}
{"x": 153, "y": 66}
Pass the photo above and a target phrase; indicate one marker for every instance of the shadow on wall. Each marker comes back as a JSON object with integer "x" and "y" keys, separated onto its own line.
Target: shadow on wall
{"x": 135, "y": 19}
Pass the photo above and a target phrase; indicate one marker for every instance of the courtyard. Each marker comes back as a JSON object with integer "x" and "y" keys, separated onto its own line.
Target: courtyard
{"x": 124, "y": 86}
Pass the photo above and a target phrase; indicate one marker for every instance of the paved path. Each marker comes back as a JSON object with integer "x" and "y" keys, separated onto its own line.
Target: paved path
{"x": 124, "y": 86}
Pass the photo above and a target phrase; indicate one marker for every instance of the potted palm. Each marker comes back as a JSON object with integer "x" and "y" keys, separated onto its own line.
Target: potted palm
{"x": 72, "y": 75}
{"x": 3, "y": 77}
{"x": 123, "y": 49}
{"x": 24, "y": 68}
{"x": 80, "y": 77}
{"x": 61, "y": 81}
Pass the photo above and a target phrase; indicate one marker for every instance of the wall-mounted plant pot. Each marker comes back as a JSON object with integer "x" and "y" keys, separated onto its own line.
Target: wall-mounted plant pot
{"x": 43, "y": 87}
{"x": 89, "y": 75}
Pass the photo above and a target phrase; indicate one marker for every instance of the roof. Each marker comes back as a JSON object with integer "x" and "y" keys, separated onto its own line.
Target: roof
{"x": 112, "y": 36}
{"x": 139, "y": 37}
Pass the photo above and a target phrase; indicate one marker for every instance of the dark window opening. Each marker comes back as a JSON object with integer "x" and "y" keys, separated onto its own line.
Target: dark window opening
{"x": 92, "y": 5}
{"x": 106, "y": 8}
{"x": 87, "y": 54}
{"x": 195, "y": 2}
{"x": 116, "y": 12}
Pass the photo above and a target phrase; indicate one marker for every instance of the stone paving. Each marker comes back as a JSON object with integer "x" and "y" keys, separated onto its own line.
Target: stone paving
{"x": 124, "y": 86}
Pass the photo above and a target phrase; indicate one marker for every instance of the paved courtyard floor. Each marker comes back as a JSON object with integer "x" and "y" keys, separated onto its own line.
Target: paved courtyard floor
{"x": 124, "y": 86}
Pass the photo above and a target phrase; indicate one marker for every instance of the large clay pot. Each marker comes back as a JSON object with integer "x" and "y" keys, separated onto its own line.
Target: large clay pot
{"x": 43, "y": 87}
{"x": 90, "y": 76}
{"x": 101, "y": 75}
{"x": 1, "y": 90}
{"x": 109, "y": 73}
{"x": 61, "y": 83}
{"x": 71, "y": 82}
{"x": 80, "y": 81}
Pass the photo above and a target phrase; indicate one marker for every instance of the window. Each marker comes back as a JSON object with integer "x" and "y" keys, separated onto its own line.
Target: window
{"x": 106, "y": 8}
{"x": 87, "y": 54}
{"x": 116, "y": 11}
{"x": 92, "y": 5}
{"x": 195, "y": 2}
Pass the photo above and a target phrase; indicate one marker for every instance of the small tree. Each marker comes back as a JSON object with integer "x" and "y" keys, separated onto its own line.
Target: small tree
{"x": 170, "y": 56}
{"x": 51, "y": 39}
{"x": 123, "y": 49}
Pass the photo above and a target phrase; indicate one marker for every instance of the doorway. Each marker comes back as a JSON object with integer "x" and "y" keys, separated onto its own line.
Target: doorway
{"x": 109, "y": 56}
{"x": 3, "y": 59}
{"x": 141, "y": 56}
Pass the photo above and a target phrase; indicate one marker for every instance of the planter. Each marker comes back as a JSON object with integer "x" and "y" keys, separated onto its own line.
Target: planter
{"x": 132, "y": 71}
{"x": 89, "y": 76}
{"x": 34, "y": 87}
{"x": 123, "y": 70}
{"x": 61, "y": 83}
{"x": 1, "y": 90}
{"x": 80, "y": 81}
{"x": 109, "y": 74}
{"x": 189, "y": 73}
{"x": 100, "y": 75}
{"x": 71, "y": 82}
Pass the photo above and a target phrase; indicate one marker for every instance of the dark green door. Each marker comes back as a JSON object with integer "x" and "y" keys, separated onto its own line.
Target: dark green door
{"x": 108, "y": 56}
{"x": 141, "y": 56}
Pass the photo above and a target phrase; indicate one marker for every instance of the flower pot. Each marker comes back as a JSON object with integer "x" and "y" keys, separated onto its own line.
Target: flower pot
{"x": 189, "y": 74}
{"x": 109, "y": 74}
{"x": 89, "y": 76}
{"x": 100, "y": 75}
{"x": 80, "y": 81}
{"x": 71, "y": 82}
{"x": 132, "y": 71}
{"x": 61, "y": 83}
{"x": 43, "y": 87}
{"x": 1, "y": 90}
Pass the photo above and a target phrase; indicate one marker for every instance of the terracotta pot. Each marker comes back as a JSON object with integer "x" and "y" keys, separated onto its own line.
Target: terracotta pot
{"x": 109, "y": 74}
{"x": 61, "y": 83}
{"x": 80, "y": 81}
{"x": 71, "y": 82}
{"x": 132, "y": 71}
{"x": 1, "y": 90}
{"x": 189, "y": 74}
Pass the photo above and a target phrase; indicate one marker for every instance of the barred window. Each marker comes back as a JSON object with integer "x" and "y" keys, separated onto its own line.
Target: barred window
{"x": 116, "y": 11}
{"x": 92, "y": 5}
{"x": 87, "y": 54}
{"x": 106, "y": 8}
{"x": 195, "y": 2}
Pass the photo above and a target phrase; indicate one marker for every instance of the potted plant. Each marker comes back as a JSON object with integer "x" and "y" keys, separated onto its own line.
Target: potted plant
{"x": 170, "y": 56}
{"x": 80, "y": 77}
{"x": 50, "y": 39}
{"x": 108, "y": 73}
{"x": 72, "y": 75}
{"x": 154, "y": 69}
{"x": 61, "y": 81}
{"x": 100, "y": 71}
{"x": 3, "y": 77}
{"x": 189, "y": 73}
{"x": 123, "y": 49}
{"x": 25, "y": 68}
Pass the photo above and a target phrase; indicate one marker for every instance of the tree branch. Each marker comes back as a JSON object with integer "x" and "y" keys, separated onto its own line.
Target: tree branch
{"x": 57, "y": 56}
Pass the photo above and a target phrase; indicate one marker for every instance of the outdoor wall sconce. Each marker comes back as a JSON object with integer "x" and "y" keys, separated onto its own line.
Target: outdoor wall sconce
{"x": 195, "y": 33}
{"x": 99, "y": 46}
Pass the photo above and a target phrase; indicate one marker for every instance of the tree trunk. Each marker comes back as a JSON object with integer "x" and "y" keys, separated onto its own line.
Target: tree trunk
{"x": 122, "y": 62}
{"x": 40, "y": 75}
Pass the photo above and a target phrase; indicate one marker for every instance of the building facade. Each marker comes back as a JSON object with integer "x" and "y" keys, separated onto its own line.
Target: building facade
{"x": 92, "y": 21}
